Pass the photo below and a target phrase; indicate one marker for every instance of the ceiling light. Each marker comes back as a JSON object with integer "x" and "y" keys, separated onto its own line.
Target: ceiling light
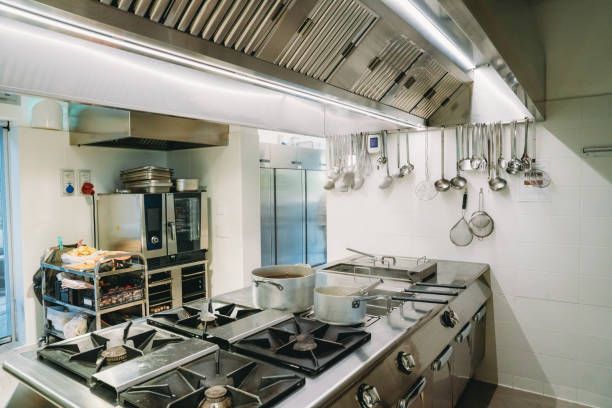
{"x": 431, "y": 31}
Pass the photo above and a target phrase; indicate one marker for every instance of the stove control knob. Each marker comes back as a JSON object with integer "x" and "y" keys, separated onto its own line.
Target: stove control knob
{"x": 368, "y": 396}
{"x": 449, "y": 318}
{"x": 405, "y": 362}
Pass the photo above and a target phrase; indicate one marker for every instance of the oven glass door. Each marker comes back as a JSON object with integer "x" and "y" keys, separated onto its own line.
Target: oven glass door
{"x": 185, "y": 222}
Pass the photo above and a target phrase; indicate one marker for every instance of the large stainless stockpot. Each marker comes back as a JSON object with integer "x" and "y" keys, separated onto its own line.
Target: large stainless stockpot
{"x": 284, "y": 287}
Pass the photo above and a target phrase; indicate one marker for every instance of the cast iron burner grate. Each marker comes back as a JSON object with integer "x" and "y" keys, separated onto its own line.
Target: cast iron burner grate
{"x": 187, "y": 320}
{"x": 87, "y": 355}
{"x": 247, "y": 383}
{"x": 303, "y": 344}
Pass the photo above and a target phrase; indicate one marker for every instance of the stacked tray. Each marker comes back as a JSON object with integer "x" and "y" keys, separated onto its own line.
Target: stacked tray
{"x": 147, "y": 179}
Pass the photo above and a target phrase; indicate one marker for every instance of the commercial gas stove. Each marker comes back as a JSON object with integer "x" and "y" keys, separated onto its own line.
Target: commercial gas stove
{"x": 405, "y": 354}
{"x": 219, "y": 379}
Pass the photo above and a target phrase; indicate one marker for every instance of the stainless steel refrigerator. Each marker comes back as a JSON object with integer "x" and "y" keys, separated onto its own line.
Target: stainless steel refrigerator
{"x": 293, "y": 208}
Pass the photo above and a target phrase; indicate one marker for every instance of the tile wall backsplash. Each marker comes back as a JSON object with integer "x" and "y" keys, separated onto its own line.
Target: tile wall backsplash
{"x": 551, "y": 260}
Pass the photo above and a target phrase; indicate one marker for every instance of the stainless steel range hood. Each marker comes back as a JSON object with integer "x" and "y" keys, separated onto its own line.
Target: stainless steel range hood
{"x": 347, "y": 51}
{"x": 101, "y": 126}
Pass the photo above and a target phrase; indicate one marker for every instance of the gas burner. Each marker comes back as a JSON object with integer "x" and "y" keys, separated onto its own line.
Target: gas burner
{"x": 115, "y": 354}
{"x": 216, "y": 397}
{"x": 89, "y": 354}
{"x": 220, "y": 380}
{"x": 196, "y": 321}
{"x": 304, "y": 344}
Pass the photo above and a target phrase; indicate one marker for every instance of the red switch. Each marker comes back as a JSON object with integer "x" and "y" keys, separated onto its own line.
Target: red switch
{"x": 87, "y": 188}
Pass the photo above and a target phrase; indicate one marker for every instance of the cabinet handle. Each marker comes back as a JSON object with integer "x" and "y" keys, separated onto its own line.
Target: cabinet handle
{"x": 414, "y": 393}
{"x": 464, "y": 333}
{"x": 443, "y": 359}
{"x": 480, "y": 314}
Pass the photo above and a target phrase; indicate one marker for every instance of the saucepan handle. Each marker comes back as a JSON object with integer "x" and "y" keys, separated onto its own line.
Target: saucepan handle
{"x": 276, "y": 285}
{"x": 358, "y": 299}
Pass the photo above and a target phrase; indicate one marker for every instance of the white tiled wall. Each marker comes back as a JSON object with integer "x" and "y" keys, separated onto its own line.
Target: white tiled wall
{"x": 551, "y": 261}
{"x": 231, "y": 177}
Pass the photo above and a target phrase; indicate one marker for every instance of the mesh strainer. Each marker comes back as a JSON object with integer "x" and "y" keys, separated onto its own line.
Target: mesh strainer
{"x": 460, "y": 233}
{"x": 481, "y": 224}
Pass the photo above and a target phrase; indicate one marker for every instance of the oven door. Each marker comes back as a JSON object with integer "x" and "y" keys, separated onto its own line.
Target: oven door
{"x": 154, "y": 234}
{"x": 187, "y": 222}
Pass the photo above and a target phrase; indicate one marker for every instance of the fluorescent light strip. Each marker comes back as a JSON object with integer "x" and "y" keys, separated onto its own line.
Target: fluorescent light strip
{"x": 151, "y": 50}
{"x": 414, "y": 16}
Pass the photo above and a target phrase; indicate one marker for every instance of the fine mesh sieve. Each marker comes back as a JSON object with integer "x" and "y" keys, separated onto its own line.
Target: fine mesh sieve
{"x": 481, "y": 224}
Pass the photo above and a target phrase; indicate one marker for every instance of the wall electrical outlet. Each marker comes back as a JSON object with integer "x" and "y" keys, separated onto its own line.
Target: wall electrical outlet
{"x": 83, "y": 176}
{"x": 68, "y": 182}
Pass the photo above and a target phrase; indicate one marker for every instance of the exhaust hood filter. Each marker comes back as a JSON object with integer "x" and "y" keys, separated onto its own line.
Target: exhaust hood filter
{"x": 326, "y": 37}
{"x": 418, "y": 83}
{"x": 436, "y": 97}
{"x": 387, "y": 69}
{"x": 357, "y": 46}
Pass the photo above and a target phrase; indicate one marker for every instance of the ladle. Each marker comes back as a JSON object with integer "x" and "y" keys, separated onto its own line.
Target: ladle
{"x": 442, "y": 184}
{"x": 496, "y": 183}
{"x": 514, "y": 165}
{"x": 387, "y": 180}
{"x": 458, "y": 182}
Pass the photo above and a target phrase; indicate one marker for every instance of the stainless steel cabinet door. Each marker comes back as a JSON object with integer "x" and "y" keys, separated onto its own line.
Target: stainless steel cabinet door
{"x": 316, "y": 218}
{"x": 290, "y": 216}
{"x": 268, "y": 236}
{"x": 441, "y": 387}
{"x": 462, "y": 360}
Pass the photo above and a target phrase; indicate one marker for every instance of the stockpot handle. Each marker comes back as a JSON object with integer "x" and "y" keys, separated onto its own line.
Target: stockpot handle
{"x": 258, "y": 282}
{"x": 414, "y": 393}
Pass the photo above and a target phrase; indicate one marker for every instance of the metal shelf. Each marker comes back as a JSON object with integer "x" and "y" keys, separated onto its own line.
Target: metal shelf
{"x": 95, "y": 275}
{"x": 121, "y": 306}
{"x": 90, "y": 273}
{"x": 69, "y": 306}
{"x": 160, "y": 283}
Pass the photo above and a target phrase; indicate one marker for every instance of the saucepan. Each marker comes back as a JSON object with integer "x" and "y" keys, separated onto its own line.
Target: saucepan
{"x": 342, "y": 305}
{"x": 283, "y": 287}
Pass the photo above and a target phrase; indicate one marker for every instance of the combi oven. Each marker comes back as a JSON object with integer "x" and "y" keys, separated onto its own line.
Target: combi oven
{"x": 168, "y": 228}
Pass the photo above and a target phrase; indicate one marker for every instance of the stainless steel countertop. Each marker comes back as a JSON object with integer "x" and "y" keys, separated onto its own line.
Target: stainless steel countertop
{"x": 386, "y": 333}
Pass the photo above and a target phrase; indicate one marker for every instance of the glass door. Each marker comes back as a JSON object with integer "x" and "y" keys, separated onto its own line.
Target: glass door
{"x": 6, "y": 321}
{"x": 188, "y": 221}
